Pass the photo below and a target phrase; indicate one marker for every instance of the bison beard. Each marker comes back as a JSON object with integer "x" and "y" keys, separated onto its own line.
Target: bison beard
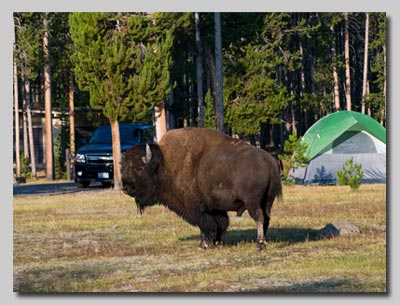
{"x": 202, "y": 174}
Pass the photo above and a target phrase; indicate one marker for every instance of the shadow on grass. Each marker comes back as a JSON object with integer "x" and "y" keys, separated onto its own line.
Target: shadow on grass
{"x": 315, "y": 287}
{"x": 278, "y": 235}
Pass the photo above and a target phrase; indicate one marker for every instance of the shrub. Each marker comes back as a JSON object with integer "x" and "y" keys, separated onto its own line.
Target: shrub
{"x": 293, "y": 158}
{"x": 351, "y": 174}
{"x": 25, "y": 167}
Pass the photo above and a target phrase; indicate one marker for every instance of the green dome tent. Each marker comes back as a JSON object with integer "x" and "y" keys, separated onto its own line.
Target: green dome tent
{"x": 334, "y": 139}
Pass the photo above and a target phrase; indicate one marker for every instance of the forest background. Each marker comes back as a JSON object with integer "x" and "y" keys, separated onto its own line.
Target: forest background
{"x": 281, "y": 71}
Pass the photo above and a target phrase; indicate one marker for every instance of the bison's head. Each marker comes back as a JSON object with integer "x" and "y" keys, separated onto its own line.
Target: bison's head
{"x": 140, "y": 173}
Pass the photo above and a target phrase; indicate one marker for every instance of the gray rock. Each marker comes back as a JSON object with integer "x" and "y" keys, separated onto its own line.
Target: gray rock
{"x": 338, "y": 228}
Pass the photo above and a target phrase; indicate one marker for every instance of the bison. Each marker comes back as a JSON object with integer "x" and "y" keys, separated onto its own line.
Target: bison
{"x": 201, "y": 174}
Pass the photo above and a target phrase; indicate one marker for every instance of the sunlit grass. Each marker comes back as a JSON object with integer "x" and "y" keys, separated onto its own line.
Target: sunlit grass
{"x": 98, "y": 242}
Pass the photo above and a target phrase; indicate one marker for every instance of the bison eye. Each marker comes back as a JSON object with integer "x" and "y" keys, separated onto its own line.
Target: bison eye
{"x": 138, "y": 170}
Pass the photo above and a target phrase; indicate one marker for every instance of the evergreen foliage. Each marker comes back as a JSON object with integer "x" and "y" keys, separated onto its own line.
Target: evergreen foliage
{"x": 25, "y": 167}
{"x": 293, "y": 157}
{"x": 351, "y": 174}
{"x": 120, "y": 63}
{"x": 60, "y": 145}
{"x": 377, "y": 98}
{"x": 124, "y": 64}
{"x": 28, "y": 35}
{"x": 255, "y": 96}
{"x": 209, "y": 114}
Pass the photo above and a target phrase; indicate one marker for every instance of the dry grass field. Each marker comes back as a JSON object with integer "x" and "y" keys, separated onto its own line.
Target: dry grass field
{"x": 98, "y": 242}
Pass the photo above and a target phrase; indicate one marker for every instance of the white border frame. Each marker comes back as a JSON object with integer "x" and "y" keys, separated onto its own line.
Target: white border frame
{"x": 393, "y": 119}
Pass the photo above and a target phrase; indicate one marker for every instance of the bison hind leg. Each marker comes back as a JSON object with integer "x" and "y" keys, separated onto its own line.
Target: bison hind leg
{"x": 213, "y": 224}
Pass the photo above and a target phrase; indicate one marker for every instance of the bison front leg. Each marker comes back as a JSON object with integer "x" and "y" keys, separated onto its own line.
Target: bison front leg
{"x": 204, "y": 242}
{"x": 213, "y": 225}
{"x": 209, "y": 239}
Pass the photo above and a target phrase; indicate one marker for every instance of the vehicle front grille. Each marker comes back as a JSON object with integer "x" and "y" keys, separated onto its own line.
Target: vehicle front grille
{"x": 99, "y": 159}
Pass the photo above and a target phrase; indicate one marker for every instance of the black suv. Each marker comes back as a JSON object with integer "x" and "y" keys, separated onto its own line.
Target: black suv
{"x": 94, "y": 161}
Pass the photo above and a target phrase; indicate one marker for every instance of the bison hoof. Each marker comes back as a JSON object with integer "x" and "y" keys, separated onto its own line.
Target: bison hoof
{"x": 218, "y": 243}
{"x": 203, "y": 245}
{"x": 261, "y": 245}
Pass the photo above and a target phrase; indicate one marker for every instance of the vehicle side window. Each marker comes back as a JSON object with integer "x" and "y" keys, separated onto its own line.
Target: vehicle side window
{"x": 147, "y": 135}
{"x": 136, "y": 136}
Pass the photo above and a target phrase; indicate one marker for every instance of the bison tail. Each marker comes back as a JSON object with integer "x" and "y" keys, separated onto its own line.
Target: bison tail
{"x": 278, "y": 192}
{"x": 280, "y": 195}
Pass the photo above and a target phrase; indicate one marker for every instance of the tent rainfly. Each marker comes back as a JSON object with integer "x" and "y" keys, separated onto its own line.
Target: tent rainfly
{"x": 334, "y": 139}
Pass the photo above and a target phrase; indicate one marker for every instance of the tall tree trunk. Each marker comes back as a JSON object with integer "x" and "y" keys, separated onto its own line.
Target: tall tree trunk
{"x": 347, "y": 60}
{"x": 199, "y": 74}
{"x": 71, "y": 103}
{"x": 161, "y": 121}
{"x": 16, "y": 122}
{"x": 219, "y": 103}
{"x": 368, "y": 108}
{"x": 116, "y": 148}
{"x": 170, "y": 115}
{"x": 192, "y": 100}
{"x": 25, "y": 128}
{"x": 365, "y": 74}
{"x": 383, "y": 113}
{"x": 302, "y": 69}
{"x": 336, "y": 97}
{"x": 384, "y": 84}
{"x": 30, "y": 129}
{"x": 71, "y": 115}
{"x": 293, "y": 117}
{"x": 47, "y": 101}
{"x": 303, "y": 88}
{"x": 211, "y": 74}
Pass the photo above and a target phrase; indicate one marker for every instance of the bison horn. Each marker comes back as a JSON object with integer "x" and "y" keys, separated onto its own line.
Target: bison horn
{"x": 149, "y": 155}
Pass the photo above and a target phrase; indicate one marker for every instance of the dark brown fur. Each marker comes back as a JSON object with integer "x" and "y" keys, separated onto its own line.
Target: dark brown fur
{"x": 201, "y": 174}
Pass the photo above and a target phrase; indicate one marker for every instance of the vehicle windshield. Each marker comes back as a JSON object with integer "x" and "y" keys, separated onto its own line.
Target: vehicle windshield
{"x": 129, "y": 135}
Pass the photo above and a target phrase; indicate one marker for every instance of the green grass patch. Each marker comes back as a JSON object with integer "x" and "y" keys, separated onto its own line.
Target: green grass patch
{"x": 98, "y": 242}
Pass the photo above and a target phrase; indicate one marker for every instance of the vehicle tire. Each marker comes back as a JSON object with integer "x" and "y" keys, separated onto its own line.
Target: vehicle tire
{"x": 82, "y": 185}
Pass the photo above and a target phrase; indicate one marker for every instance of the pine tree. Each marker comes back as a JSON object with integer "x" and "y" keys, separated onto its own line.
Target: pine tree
{"x": 219, "y": 97}
{"x": 209, "y": 112}
{"x": 48, "y": 103}
{"x": 347, "y": 60}
{"x": 199, "y": 73}
{"x": 16, "y": 119}
{"x": 123, "y": 65}
{"x": 181, "y": 105}
{"x": 255, "y": 93}
{"x": 28, "y": 29}
{"x": 365, "y": 70}
{"x": 377, "y": 98}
